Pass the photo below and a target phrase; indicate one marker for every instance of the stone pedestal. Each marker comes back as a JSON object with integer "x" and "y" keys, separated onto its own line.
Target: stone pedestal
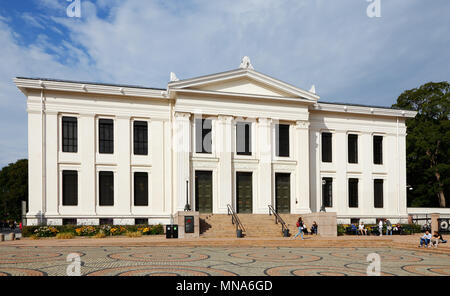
{"x": 327, "y": 223}
{"x": 434, "y": 222}
{"x": 180, "y": 220}
{"x": 12, "y": 236}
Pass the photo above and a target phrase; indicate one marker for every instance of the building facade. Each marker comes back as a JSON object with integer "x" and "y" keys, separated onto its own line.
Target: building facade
{"x": 101, "y": 153}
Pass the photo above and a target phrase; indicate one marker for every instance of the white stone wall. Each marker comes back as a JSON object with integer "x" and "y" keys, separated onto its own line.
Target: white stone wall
{"x": 172, "y": 159}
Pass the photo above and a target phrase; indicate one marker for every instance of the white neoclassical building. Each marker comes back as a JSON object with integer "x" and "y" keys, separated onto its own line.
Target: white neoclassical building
{"x": 102, "y": 153}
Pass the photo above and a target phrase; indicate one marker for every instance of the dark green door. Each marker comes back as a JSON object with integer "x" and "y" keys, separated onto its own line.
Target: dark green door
{"x": 283, "y": 193}
{"x": 203, "y": 191}
{"x": 244, "y": 192}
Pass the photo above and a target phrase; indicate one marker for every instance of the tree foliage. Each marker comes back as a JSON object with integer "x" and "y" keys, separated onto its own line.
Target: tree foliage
{"x": 13, "y": 189}
{"x": 428, "y": 144}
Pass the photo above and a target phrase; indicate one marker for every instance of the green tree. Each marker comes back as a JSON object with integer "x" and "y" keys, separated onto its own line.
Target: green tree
{"x": 428, "y": 143}
{"x": 13, "y": 189}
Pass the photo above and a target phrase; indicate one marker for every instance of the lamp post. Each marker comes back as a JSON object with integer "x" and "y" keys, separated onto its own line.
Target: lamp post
{"x": 322, "y": 208}
{"x": 187, "y": 207}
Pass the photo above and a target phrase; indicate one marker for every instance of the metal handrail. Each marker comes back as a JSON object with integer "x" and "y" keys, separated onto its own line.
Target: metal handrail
{"x": 278, "y": 218}
{"x": 235, "y": 219}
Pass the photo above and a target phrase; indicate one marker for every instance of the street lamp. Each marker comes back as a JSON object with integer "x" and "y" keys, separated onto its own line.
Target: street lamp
{"x": 187, "y": 207}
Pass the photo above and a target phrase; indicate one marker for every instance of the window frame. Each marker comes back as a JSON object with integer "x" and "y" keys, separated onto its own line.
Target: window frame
{"x": 65, "y": 204}
{"x": 324, "y": 190}
{"x": 374, "y": 154}
{"x": 75, "y": 138}
{"x": 100, "y": 188}
{"x": 203, "y": 135}
{"x": 354, "y": 159}
{"x": 248, "y": 137}
{"x": 375, "y": 181}
{"x": 349, "y": 182}
{"x": 99, "y": 140}
{"x": 322, "y": 150}
{"x": 278, "y": 142}
{"x": 146, "y": 204}
{"x": 145, "y": 142}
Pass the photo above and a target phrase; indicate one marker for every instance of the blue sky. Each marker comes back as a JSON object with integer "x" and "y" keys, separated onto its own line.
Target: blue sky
{"x": 333, "y": 44}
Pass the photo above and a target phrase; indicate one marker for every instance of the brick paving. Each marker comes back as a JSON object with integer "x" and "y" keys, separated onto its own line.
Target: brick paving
{"x": 250, "y": 256}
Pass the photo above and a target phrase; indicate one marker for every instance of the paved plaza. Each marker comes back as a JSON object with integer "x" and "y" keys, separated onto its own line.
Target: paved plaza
{"x": 20, "y": 259}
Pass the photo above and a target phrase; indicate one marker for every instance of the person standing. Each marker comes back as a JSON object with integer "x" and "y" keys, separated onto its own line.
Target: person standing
{"x": 380, "y": 227}
{"x": 388, "y": 227}
{"x": 300, "y": 228}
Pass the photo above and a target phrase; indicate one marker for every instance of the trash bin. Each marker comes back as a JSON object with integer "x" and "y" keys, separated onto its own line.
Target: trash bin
{"x": 169, "y": 231}
{"x": 239, "y": 233}
{"x": 286, "y": 233}
{"x": 174, "y": 231}
{"x": 189, "y": 224}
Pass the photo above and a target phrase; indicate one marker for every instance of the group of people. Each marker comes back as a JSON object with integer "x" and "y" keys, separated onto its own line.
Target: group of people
{"x": 362, "y": 230}
{"x": 428, "y": 240}
{"x": 303, "y": 229}
{"x": 8, "y": 224}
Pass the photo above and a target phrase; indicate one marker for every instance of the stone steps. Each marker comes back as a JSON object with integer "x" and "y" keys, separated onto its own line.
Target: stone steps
{"x": 256, "y": 225}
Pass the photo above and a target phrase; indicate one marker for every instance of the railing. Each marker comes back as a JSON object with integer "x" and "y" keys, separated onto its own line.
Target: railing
{"x": 235, "y": 219}
{"x": 278, "y": 219}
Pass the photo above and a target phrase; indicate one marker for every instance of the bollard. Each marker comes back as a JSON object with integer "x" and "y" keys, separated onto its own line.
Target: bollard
{"x": 12, "y": 236}
{"x": 2, "y": 237}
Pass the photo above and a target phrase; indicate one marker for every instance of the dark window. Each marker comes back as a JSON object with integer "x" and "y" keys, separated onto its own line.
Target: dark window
{"x": 282, "y": 139}
{"x": 378, "y": 193}
{"x": 141, "y": 221}
{"x": 326, "y": 147}
{"x": 353, "y": 148}
{"x": 140, "y": 189}
{"x": 354, "y": 221}
{"x": 353, "y": 193}
{"x": 244, "y": 138}
{"x": 140, "y": 138}
{"x": 377, "y": 149}
{"x": 68, "y": 221}
{"x": 327, "y": 192}
{"x": 106, "y": 188}
{"x": 69, "y": 134}
{"x": 203, "y": 128}
{"x": 70, "y": 188}
{"x": 106, "y": 221}
{"x": 106, "y": 135}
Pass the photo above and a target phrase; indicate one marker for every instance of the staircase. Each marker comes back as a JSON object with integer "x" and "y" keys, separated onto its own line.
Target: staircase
{"x": 256, "y": 225}
{"x": 216, "y": 225}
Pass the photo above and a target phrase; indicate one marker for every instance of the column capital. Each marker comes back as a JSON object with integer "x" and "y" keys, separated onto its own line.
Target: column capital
{"x": 302, "y": 124}
{"x": 181, "y": 115}
{"x": 265, "y": 120}
{"x": 225, "y": 118}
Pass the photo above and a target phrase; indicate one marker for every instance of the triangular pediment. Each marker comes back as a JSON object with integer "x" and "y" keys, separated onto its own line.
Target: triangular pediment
{"x": 243, "y": 81}
{"x": 244, "y": 86}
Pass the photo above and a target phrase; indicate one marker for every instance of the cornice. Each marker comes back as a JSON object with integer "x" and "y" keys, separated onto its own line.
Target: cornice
{"x": 25, "y": 83}
{"x": 372, "y": 111}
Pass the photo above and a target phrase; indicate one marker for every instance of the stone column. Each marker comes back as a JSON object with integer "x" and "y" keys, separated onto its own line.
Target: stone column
{"x": 302, "y": 169}
{"x": 87, "y": 176}
{"x": 181, "y": 148}
{"x": 224, "y": 150}
{"x": 51, "y": 166}
{"x": 122, "y": 145}
{"x": 434, "y": 222}
{"x": 264, "y": 190}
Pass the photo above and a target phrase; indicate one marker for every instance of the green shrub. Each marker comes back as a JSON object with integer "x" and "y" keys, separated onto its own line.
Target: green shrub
{"x": 341, "y": 229}
{"x": 90, "y": 230}
{"x": 65, "y": 235}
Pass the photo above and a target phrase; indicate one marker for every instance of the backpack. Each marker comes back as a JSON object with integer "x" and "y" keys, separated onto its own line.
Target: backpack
{"x": 298, "y": 224}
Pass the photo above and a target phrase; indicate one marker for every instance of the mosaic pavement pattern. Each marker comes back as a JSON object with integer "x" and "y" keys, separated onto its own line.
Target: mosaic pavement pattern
{"x": 218, "y": 261}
